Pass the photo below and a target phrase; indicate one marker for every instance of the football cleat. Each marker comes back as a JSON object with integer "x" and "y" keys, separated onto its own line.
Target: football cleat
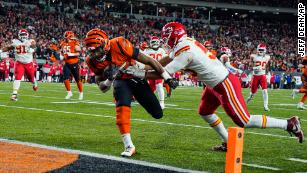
{"x": 69, "y": 95}
{"x": 81, "y": 96}
{"x": 35, "y": 88}
{"x": 300, "y": 105}
{"x": 266, "y": 109}
{"x": 14, "y": 97}
{"x": 129, "y": 151}
{"x": 249, "y": 99}
{"x": 222, "y": 147}
{"x": 294, "y": 127}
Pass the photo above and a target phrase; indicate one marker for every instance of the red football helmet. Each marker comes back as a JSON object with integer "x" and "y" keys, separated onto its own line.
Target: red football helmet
{"x": 226, "y": 50}
{"x": 23, "y": 34}
{"x": 208, "y": 44}
{"x": 154, "y": 42}
{"x": 261, "y": 49}
{"x": 172, "y": 32}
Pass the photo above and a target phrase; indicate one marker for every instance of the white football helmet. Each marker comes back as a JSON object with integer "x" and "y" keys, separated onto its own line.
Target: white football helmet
{"x": 261, "y": 49}
{"x": 23, "y": 34}
{"x": 154, "y": 42}
{"x": 226, "y": 50}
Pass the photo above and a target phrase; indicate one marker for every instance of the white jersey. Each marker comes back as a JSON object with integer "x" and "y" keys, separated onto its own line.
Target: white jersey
{"x": 260, "y": 63}
{"x": 156, "y": 54}
{"x": 23, "y": 51}
{"x": 225, "y": 59}
{"x": 192, "y": 55}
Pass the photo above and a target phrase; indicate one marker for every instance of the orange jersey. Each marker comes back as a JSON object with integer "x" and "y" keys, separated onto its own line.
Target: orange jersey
{"x": 121, "y": 51}
{"x": 70, "y": 51}
{"x": 54, "y": 47}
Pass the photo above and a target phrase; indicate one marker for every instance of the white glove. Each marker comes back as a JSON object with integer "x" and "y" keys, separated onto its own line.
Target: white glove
{"x": 104, "y": 86}
{"x": 257, "y": 67}
{"x": 135, "y": 71}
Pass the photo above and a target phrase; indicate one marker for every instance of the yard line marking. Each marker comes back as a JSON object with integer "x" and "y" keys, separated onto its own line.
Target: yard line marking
{"x": 298, "y": 160}
{"x": 140, "y": 120}
{"x": 259, "y": 166}
{"x": 102, "y": 156}
{"x": 64, "y": 102}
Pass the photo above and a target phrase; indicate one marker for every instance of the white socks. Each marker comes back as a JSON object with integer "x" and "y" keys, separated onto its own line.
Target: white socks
{"x": 265, "y": 98}
{"x": 216, "y": 123}
{"x": 160, "y": 92}
{"x": 262, "y": 121}
{"x": 16, "y": 86}
{"x": 127, "y": 140}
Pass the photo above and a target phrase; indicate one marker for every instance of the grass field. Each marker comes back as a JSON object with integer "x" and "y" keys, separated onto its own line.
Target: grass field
{"x": 181, "y": 138}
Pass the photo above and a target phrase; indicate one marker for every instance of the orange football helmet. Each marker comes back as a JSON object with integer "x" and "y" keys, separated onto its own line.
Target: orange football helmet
{"x": 69, "y": 35}
{"x": 97, "y": 43}
{"x": 143, "y": 45}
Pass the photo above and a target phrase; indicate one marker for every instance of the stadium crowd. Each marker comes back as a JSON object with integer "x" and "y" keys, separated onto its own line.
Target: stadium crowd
{"x": 240, "y": 35}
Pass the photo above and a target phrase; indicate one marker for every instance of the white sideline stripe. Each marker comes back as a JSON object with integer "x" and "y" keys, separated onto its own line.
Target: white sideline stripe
{"x": 298, "y": 160}
{"x": 262, "y": 167}
{"x": 102, "y": 156}
{"x": 140, "y": 120}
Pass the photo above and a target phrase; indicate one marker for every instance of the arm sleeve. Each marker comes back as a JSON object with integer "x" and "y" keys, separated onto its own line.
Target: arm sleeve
{"x": 179, "y": 62}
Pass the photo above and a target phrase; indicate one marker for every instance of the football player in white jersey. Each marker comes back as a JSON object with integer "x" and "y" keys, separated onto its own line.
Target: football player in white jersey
{"x": 225, "y": 59}
{"x": 155, "y": 51}
{"x": 23, "y": 48}
{"x": 223, "y": 88}
{"x": 260, "y": 61}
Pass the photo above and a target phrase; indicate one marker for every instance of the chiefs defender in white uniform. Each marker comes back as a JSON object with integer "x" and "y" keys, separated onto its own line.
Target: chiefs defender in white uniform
{"x": 260, "y": 61}
{"x": 155, "y": 51}
{"x": 223, "y": 88}
{"x": 23, "y": 48}
{"x": 225, "y": 59}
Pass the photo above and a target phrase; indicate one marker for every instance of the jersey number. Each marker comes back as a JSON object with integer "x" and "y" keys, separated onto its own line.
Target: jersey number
{"x": 263, "y": 64}
{"x": 157, "y": 56}
{"x": 66, "y": 49}
{"x": 205, "y": 50}
{"x": 21, "y": 49}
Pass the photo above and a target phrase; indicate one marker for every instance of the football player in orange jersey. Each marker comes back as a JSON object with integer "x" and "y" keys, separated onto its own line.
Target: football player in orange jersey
{"x": 106, "y": 59}
{"x": 303, "y": 89}
{"x": 70, "y": 50}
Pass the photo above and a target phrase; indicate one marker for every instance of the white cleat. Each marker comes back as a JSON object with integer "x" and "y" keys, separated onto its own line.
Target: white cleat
{"x": 300, "y": 105}
{"x": 81, "y": 96}
{"x": 14, "y": 97}
{"x": 69, "y": 95}
{"x": 129, "y": 151}
{"x": 266, "y": 109}
{"x": 249, "y": 99}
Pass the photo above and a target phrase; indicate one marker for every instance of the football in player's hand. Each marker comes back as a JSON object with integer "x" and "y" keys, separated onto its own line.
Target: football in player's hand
{"x": 99, "y": 78}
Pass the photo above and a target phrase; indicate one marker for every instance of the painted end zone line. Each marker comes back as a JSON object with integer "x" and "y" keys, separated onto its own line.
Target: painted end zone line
{"x": 262, "y": 167}
{"x": 102, "y": 156}
{"x": 298, "y": 160}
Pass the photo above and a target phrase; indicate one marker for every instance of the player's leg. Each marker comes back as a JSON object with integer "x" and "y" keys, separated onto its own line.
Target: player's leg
{"x": 75, "y": 73}
{"x": 144, "y": 95}
{"x": 235, "y": 107}
{"x": 152, "y": 84}
{"x": 208, "y": 104}
{"x": 19, "y": 72}
{"x": 300, "y": 105}
{"x": 264, "y": 86}
{"x": 122, "y": 95}
{"x": 160, "y": 92}
{"x": 66, "y": 71}
{"x": 30, "y": 72}
{"x": 254, "y": 88}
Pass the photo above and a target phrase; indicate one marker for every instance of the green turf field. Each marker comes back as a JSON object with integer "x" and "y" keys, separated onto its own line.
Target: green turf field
{"x": 181, "y": 138}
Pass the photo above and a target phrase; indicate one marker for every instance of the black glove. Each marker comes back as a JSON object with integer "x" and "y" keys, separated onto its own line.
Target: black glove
{"x": 172, "y": 82}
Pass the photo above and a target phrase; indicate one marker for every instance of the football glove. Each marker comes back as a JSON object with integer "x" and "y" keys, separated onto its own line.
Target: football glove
{"x": 135, "y": 71}
{"x": 172, "y": 82}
